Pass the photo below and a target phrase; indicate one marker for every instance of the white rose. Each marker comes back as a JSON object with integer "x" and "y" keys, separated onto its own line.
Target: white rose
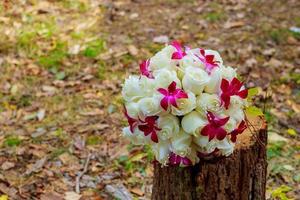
{"x": 193, "y": 122}
{"x": 230, "y": 125}
{"x": 162, "y": 151}
{"x": 236, "y": 107}
{"x": 205, "y": 146}
{"x": 185, "y": 105}
{"x": 137, "y": 137}
{"x": 216, "y": 76}
{"x": 132, "y": 109}
{"x": 169, "y": 126}
{"x": 194, "y": 80}
{"x": 190, "y": 60}
{"x": 200, "y": 141}
{"x": 164, "y": 77}
{"x": 225, "y": 146}
{"x": 181, "y": 143}
{"x": 150, "y": 106}
{"x": 213, "y": 86}
{"x": 228, "y": 73}
{"x": 136, "y": 87}
{"x": 193, "y": 156}
{"x": 163, "y": 59}
{"x": 208, "y": 102}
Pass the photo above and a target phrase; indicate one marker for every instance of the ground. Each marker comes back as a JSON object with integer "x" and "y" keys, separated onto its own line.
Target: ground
{"x": 62, "y": 63}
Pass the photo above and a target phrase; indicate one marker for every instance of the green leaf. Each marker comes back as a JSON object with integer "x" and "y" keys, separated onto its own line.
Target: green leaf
{"x": 138, "y": 157}
{"x": 281, "y": 192}
{"x": 254, "y": 111}
{"x": 12, "y": 141}
{"x": 60, "y": 75}
{"x": 291, "y": 132}
{"x": 252, "y": 92}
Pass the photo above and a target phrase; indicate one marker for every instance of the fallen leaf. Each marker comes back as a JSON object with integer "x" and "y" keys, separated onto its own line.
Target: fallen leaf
{"x": 274, "y": 137}
{"x": 137, "y": 191}
{"x": 161, "y": 39}
{"x": 3, "y": 197}
{"x": 41, "y": 114}
{"x": 236, "y": 24}
{"x": 7, "y": 165}
{"x": 132, "y": 50}
{"x": 72, "y": 196}
{"x": 36, "y": 166}
{"x": 118, "y": 191}
{"x": 51, "y": 196}
{"x": 96, "y": 111}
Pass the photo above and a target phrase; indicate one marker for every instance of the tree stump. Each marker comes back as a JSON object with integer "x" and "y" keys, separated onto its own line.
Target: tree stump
{"x": 241, "y": 176}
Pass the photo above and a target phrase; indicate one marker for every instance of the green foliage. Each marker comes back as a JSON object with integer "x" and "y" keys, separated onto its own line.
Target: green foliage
{"x": 57, "y": 152}
{"x": 291, "y": 132}
{"x": 12, "y": 141}
{"x": 101, "y": 74}
{"x": 214, "y": 16}
{"x": 94, "y": 48}
{"x": 93, "y": 140}
{"x": 280, "y": 35}
{"x": 45, "y": 29}
{"x": 26, "y": 42}
{"x": 254, "y": 111}
{"x": 75, "y": 5}
{"x": 252, "y": 92}
{"x": 53, "y": 58}
{"x": 280, "y": 192}
{"x": 275, "y": 149}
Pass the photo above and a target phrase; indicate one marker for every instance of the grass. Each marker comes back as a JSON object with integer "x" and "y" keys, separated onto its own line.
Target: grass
{"x": 280, "y": 35}
{"x": 94, "y": 48}
{"x": 93, "y": 140}
{"x": 53, "y": 59}
{"x": 214, "y": 16}
{"x": 12, "y": 141}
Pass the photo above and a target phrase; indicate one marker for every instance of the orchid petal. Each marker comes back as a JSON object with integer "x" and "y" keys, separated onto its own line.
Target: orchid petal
{"x": 172, "y": 87}
{"x": 224, "y": 85}
{"x": 177, "y": 56}
{"x": 162, "y": 91}
{"x": 164, "y": 103}
{"x": 154, "y": 137}
{"x": 181, "y": 94}
{"x": 243, "y": 94}
{"x": 220, "y": 133}
{"x": 173, "y": 101}
{"x": 222, "y": 122}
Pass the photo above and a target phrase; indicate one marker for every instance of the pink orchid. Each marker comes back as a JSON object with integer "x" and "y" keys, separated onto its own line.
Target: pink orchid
{"x": 171, "y": 95}
{"x": 179, "y": 54}
{"x": 144, "y": 69}
{"x": 239, "y": 130}
{"x": 215, "y": 127}
{"x": 131, "y": 121}
{"x": 208, "y": 61}
{"x": 177, "y": 160}
{"x": 230, "y": 89}
{"x": 148, "y": 126}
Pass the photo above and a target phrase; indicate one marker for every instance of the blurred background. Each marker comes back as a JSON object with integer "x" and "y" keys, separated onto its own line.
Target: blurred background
{"x": 62, "y": 63}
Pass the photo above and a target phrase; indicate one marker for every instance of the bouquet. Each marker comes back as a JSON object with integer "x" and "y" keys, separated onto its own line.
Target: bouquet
{"x": 185, "y": 104}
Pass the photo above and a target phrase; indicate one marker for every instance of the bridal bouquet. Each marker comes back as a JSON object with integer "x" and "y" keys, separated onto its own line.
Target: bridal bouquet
{"x": 186, "y": 104}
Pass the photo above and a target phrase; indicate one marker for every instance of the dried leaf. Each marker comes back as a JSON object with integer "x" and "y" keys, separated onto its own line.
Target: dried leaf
{"x": 118, "y": 191}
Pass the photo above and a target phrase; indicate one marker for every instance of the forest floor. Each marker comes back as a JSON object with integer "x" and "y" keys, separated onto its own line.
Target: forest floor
{"x": 62, "y": 64}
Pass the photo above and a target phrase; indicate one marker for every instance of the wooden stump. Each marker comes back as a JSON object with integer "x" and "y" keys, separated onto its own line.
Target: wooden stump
{"x": 241, "y": 176}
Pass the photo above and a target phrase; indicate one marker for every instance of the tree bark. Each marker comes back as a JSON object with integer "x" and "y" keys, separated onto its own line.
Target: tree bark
{"x": 241, "y": 176}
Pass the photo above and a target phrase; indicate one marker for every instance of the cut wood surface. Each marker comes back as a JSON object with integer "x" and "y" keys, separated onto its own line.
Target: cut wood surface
{"x": 241, "y": 176}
